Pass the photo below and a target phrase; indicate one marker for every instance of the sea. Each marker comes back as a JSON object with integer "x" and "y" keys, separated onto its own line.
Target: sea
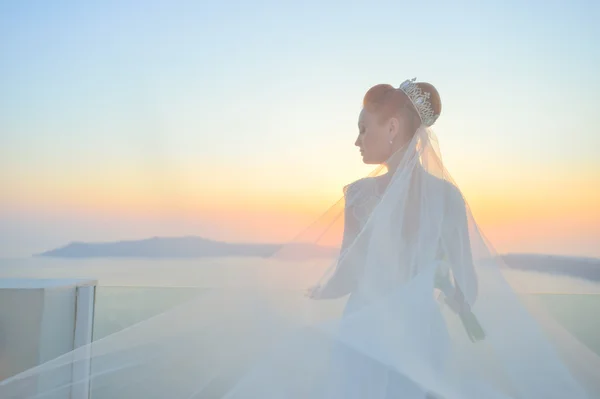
{"x": 130, "y": 290}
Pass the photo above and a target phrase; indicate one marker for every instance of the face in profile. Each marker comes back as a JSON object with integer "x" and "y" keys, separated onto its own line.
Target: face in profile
{"x": 378, "y": 137}
{"x": 374, "y": 138}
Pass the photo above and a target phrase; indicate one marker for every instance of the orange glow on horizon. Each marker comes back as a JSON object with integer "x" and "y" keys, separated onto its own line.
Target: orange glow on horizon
{"x": 512, "y": 215}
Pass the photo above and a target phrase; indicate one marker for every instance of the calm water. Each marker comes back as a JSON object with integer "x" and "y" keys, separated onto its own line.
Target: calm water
{"x": 132, "y": 290}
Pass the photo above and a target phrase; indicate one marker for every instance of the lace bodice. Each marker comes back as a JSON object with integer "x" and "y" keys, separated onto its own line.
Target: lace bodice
{"x": 361, "y": 198}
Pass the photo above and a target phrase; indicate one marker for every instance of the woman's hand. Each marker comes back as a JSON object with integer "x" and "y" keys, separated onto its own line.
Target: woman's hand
{"x": 313, "y": 292}
{"x": 472, "y": 326}
{"x": 458, "y": 306}
{"x": 453, "y": 304}
{"x": 457, "y": 302}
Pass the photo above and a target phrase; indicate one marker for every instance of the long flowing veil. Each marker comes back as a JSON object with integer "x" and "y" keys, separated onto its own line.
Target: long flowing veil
{"x": 407, "y": 297}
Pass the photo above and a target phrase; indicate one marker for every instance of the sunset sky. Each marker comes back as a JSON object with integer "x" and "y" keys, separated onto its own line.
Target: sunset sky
{"x": 236, "y": 120}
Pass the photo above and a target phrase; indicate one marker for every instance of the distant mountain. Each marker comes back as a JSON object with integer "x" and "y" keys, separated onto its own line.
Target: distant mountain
{"x": 586, "y": 268}
{"x": 186, "y": 247}
{"x": 197, "y": 247}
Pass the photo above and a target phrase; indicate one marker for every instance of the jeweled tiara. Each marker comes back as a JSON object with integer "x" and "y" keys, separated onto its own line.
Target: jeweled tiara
{"x": 420, "y": 100}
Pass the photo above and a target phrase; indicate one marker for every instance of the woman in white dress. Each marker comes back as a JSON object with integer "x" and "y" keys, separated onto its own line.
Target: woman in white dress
{"x": 387, "y": 125}
{"x": 409, "y": 257}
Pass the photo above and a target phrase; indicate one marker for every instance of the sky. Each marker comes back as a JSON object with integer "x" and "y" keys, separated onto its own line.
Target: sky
{"x": 237, "y": 120}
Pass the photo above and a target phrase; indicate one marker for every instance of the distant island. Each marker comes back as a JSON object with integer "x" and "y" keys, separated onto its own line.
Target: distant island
{"x": 574, "y": 266}
{"x": 186, "y": 247}
{"x": 198, "y": 247}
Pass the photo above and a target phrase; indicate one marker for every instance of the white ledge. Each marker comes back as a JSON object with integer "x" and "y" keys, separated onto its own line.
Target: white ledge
{"x": 37, "y": 283}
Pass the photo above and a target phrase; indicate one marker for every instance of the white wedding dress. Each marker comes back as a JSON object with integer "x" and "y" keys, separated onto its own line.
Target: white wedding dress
{"x": 410, "y": 245}
{"x": 358, "y": 375}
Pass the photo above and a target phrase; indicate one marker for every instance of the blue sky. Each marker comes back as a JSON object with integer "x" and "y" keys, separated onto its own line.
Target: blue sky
{"x": 162, "y": 92}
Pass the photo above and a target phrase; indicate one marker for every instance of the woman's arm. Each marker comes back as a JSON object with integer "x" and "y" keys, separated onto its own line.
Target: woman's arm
{"x": 343, "y": 277}
{"x": 457, "y": 248}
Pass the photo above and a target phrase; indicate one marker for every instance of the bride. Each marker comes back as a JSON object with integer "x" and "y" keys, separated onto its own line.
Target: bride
{"x": 424, "y": 226}
{"x": 414, "y": 265}
{"x": 428, "y": 313}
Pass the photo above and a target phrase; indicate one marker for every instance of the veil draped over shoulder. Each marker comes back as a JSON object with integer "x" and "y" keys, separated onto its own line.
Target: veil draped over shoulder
{"x": 413, "y": 305}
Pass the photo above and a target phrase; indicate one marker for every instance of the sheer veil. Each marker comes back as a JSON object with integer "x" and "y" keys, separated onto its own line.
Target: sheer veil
{"x": 414, "y": 300}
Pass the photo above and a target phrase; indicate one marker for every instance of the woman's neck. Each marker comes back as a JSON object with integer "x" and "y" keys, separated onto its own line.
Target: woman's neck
{"x": 392, "y": 164}
{"x": 396, "y": 158}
